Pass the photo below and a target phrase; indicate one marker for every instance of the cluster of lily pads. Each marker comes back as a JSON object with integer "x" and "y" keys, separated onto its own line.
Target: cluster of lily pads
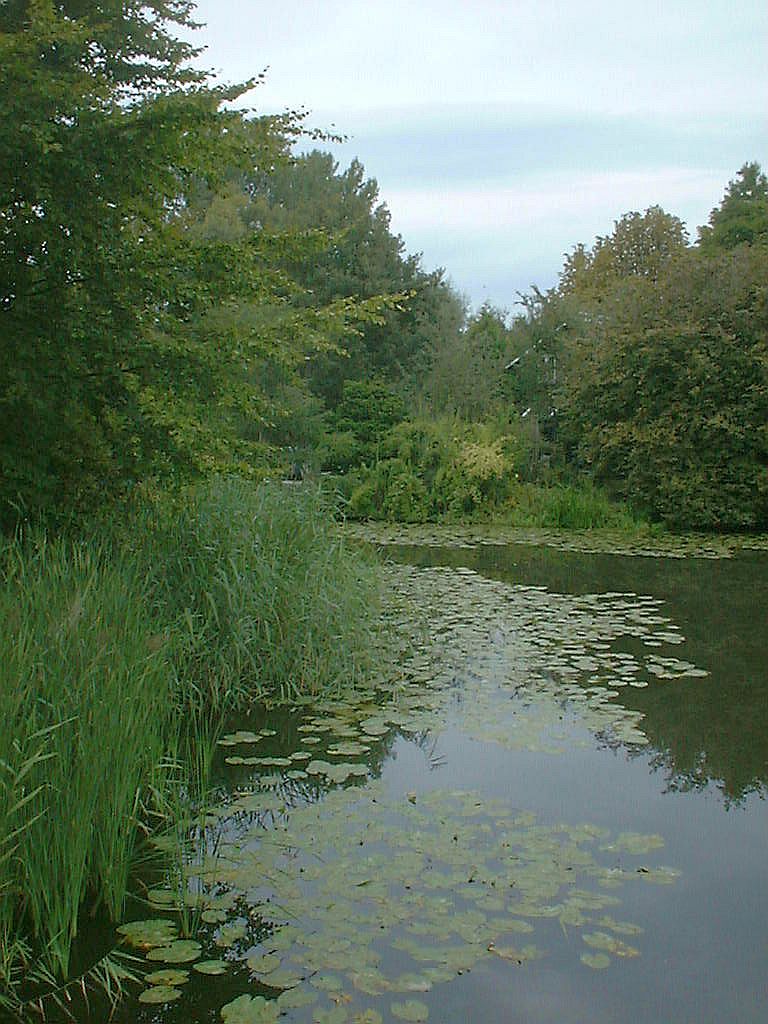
{"x": 587, "y": 541}
{"x": 365, "y": 901}
{"x": 371, "y": 900}
{"x": 520, "y": 665}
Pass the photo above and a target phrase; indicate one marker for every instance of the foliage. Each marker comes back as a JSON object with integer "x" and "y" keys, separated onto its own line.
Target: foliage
{"x": 86, "y": 672}
{"x": 467, "y": 375}
{"x": 432, "y": 469}
{"x": 362, "y": 258}
{"x": 132, "y": 340}
{"x": 111, "y": 647}
{"x": 367, "y": 410}
{"x": 742, "y": 216}
{"x": 640, "y": 245}
{"x": 270, "y": 603}
{"x": 667, "y": 398}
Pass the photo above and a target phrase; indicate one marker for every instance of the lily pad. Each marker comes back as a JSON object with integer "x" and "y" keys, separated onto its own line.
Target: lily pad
{"x": 211, "y": 967}
{"x": 296, "y": 998}
{"x": 181, "y": 952}
{"x": 159, "y": 994}
{"x": 148, "y": 934}
{"x": 250, "y": 1010}
{"x": 597, "y": 961}
{"x": 168, "y": 978}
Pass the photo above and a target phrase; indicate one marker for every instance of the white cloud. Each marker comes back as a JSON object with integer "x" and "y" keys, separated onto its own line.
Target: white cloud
{"x": 549, "y": 198}
{"x": 341, "y": 56}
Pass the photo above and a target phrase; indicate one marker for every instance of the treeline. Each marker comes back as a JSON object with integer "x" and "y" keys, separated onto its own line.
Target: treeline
{"x": 640, "y": 379}
{"x": 180, "y": 295}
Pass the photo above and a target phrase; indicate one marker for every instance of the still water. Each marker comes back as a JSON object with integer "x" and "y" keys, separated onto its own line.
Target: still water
{"x": 550, "y": 810}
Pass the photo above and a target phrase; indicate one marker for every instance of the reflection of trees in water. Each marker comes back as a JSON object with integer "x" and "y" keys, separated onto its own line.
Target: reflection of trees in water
{"x": 712, "y": 730}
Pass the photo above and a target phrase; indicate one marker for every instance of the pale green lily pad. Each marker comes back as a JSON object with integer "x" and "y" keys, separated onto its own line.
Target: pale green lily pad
{"x": 250, "y": 1010}
{"x": 370, "y": 981}
{"x": 169, "y": 978}
{"x": 597, "y": 961}
{"x": 296, "y": 998}
{"x": 635, "y": 843}
{"x": 163, "y": 897}
{"x": 264, "y": 964}
{"x": 181, "y": 952}
{"x": 230, "y": 933}
{"x": 609, "y": 944}
{"x": 159, "y": 994}
{"x": 411, "y": 983}
{"x": 213, "y": 916}
{"x": 148, "y": 934}
{"x": 327, "y": 983}
{"x": 283, "y": 978}
{"x": 368, "y": 1017}
{"x": 411, "y": 1010}
{"x": 211, "y": 967}
{"x": 232, "y": 739}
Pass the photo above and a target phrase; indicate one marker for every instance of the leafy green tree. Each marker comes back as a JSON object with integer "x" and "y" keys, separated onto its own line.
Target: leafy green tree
{"x": 363, "y": 258}
{"x": 742, "y": 216}
{"x": 640, "y": 245}
{"x": 117, "y": 358}
{"x": 468, "y": 373}
{"x": 667, "y": 398}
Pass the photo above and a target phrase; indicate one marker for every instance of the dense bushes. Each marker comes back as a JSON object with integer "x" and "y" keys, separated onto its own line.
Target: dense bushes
{"x": 444, "y": 470}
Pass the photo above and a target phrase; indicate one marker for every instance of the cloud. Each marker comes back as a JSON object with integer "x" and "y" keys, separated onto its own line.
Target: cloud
{"x": 344, "y": 56}
{"x": 475, "y": 207}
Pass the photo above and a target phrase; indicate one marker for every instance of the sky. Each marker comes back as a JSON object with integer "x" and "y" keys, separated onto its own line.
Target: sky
{"x": 503, "y": 132}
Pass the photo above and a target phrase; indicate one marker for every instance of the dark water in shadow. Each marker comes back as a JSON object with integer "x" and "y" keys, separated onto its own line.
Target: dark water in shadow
{"x": 700, "y": 783}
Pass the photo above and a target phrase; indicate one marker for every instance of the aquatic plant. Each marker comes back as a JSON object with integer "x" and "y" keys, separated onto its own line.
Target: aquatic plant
{"x": 267, "y": 600}
{"x": 117, "y": 657}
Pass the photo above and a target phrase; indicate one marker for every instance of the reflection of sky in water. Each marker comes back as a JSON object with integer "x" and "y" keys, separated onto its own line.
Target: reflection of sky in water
{"x": 503, "y": 677}
{"x": 707, "y": 937}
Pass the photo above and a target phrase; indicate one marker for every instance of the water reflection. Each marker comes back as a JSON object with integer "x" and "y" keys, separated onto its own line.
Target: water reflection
{"x": 708, "y": 731}
{"x": 511, "y": 815}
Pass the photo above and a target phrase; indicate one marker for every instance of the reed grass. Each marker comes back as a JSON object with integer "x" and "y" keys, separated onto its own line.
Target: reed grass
{"x": 268, "y": 600}
{"x": 119, "y": 654}
{"x": 83, "y": 699}
{"x": 570, "y": 506}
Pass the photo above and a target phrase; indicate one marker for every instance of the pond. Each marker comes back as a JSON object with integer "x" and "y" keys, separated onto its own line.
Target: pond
{"x": 551, "y": 809}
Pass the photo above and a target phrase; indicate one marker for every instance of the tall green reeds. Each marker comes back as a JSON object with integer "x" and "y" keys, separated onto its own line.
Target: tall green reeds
{"x": 268, "y": 601}
{"x": 84, "y": 698}
{"x": 110, "y": 647}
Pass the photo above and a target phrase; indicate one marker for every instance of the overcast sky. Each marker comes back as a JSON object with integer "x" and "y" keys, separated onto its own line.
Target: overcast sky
{"x": 503, "y": 132}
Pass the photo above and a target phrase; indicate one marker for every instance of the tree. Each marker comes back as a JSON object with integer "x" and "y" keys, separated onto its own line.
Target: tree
{"x": 363, "y": 258}
{"x": 641, "y": 245}
{"x": 742, "y": 216}
{"x": 468, "y": 376}
{"x": 667, "y": 398}
{"x": 117, "y": 358}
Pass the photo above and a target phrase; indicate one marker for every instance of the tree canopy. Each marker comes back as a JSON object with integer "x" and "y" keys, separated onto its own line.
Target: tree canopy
{"x": 120, "y": 358}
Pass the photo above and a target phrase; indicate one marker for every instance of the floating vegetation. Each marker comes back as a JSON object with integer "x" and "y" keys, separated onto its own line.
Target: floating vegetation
{"x": 159, "y": 994}
{"x": 181, "y": 952}
{"x": 368, "y": 896}
{"x": 366, "y": 900}
{"x": 149, "y": 934}
{"x": 586, "y": 541}
{"x": 170, "y": 978}
{"x": 520, "y": 666}
{"x": 250, "y": 1010}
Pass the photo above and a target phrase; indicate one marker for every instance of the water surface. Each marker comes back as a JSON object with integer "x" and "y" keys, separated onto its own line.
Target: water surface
{"x": 552, "y": 809}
